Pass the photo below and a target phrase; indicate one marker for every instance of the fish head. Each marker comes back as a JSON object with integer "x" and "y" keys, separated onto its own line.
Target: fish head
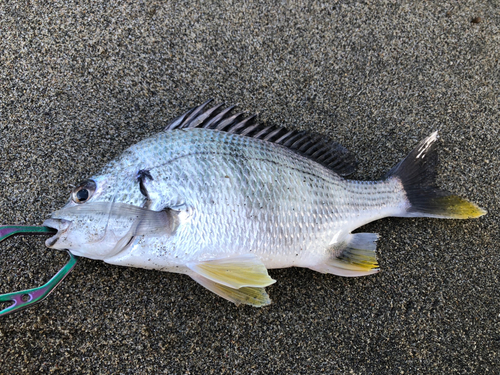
{"x": 101, "y": 217}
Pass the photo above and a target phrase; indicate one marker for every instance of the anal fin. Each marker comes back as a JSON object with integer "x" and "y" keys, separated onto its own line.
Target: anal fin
{"x": 235, "y": 272}
{"x": 356, "y": 258}
{"x": 256, "y": 297}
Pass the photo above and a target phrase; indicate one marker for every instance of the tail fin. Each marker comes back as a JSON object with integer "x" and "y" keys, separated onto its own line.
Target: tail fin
{"x": 417, "y": 172}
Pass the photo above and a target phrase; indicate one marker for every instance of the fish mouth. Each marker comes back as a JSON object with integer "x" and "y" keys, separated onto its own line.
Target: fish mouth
{"x": 60, "y": 225}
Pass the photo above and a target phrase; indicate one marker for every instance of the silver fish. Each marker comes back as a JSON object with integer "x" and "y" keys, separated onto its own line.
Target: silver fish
{"x": 222, "y": 199}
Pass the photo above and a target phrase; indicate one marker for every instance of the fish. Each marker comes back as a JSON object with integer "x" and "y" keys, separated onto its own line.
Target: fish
{"x": 223, "y": 198}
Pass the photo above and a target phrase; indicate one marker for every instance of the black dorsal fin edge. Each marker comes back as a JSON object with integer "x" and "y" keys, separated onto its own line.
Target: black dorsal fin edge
{"x": 313, "y": 146}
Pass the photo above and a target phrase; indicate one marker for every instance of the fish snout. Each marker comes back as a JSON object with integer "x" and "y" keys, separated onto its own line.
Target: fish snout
{"x": 60, "y": 225}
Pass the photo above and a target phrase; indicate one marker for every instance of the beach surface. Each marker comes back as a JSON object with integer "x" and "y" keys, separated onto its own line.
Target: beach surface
{"x": 80, "y": 81}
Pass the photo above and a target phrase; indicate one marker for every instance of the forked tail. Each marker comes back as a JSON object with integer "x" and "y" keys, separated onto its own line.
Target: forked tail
{"x": 417, "y": 172}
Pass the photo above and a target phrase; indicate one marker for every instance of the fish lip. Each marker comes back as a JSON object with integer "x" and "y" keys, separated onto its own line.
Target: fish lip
{"x": 61, "y": 225}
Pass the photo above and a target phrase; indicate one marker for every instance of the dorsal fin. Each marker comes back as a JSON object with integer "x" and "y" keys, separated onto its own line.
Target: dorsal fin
{"x": 313, "y": 146}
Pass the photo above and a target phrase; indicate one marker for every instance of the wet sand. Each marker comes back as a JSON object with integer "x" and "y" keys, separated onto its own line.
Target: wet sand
{"x": 80, "y": 82}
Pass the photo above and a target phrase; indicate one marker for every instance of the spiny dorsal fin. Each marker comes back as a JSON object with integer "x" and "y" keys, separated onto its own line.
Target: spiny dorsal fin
{"x": 314, "y": 146}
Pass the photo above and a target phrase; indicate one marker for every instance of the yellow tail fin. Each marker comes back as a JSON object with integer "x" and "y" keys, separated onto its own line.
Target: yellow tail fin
{"x": 417, "y": 172}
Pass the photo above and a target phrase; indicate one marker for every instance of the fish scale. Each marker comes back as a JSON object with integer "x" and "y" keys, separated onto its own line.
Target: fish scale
{"x": 222, "y": 199}
{"x": 257, "y": 202}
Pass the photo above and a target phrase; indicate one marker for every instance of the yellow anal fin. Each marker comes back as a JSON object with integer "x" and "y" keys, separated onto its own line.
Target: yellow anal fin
{"x": 234, "y": 272}
{"x": 356, "y": 258}
{"x": 256, "y": 297}
{"x": 453, "y": 206}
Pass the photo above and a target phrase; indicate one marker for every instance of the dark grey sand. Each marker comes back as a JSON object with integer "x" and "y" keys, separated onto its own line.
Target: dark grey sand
{"x": 79, "y": 82}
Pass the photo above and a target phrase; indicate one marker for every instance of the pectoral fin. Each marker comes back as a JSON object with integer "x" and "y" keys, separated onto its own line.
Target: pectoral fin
{"x": 236, "y": 272}
{"x": 256, "y": 297}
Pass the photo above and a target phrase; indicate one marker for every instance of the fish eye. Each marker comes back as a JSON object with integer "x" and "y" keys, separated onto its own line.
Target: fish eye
{"x": 84, "y": 191}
